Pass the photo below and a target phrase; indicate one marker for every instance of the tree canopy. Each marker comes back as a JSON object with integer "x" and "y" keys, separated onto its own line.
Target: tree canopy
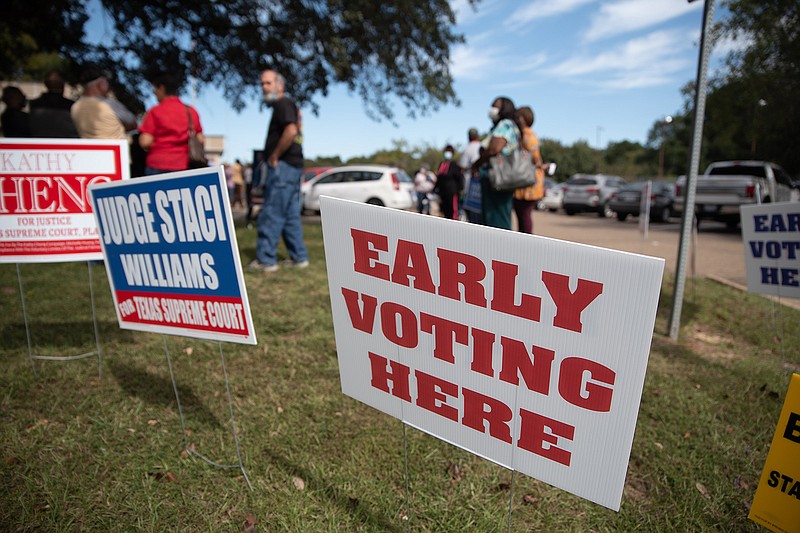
{"x": 386, "y": 52}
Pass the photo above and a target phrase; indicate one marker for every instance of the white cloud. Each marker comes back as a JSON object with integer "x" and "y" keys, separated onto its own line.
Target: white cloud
{"x": 467, "y": 14}
{"x": 539, "y": 9}
{"x": 470, "y": 63}
{"x": 643, "y": 62}
{"x": 624, "y": 16}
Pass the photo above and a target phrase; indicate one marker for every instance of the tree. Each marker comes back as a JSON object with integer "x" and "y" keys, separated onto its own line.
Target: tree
{"x": 762, "y": 85}
{"x": 383, "y": 51}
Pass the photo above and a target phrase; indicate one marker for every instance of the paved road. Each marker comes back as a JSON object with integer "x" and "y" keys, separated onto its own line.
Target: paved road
{"x": 719, "y": 252}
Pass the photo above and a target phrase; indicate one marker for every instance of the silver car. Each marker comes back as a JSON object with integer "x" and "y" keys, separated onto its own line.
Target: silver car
{"x": 590, "y": 192}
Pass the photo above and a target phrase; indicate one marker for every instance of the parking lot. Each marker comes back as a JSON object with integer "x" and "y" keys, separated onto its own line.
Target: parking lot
{"x": 719, "y": 254}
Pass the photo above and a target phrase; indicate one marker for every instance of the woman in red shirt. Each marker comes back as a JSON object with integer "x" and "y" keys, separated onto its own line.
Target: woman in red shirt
{"x": 164, "y": 132}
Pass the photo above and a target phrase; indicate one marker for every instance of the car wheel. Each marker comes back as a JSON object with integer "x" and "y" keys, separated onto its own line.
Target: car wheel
{"x": 665, "y": 214}
{"x": 605, "y": 211}
{"x": 622, "y": 216}
{"x": 569, "y": 212}
{"x": 375, "y": 201}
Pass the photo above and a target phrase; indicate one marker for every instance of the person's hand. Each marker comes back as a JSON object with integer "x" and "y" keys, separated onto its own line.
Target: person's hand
{"x": 273, "y": 161}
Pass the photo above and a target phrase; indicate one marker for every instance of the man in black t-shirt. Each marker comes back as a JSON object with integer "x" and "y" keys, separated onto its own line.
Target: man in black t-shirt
{"x": 280, "y": 214}
{"x": 50, "y": 113}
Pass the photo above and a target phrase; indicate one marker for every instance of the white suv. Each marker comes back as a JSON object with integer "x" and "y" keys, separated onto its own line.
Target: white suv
{"x": 590, "y": 192}
{"x": 371, "y": 184}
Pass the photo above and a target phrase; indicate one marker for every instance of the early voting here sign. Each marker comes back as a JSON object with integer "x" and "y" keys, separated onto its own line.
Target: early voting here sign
{"x": 45, "y": 212}
{"x": 171, "y": 254}
{"x": 528, "y": 351}
{"x": 771, "y": 235}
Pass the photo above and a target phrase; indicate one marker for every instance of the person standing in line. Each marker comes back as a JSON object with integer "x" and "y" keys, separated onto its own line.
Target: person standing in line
{"x": 50, "y": 113}
{"x": 423, "y": 186}
{"x": 503, "y": 139}
{"x": 164, "y": 132}
{"x": 14, "y": 120}
{"x": 280, "y": 214}
{"x": 525, "y": 199}
{"x": 96, "y": 116}
{"x": 449, "y": 183}
{"x": 238, "y": 184}
{"x": 472, "y": 199}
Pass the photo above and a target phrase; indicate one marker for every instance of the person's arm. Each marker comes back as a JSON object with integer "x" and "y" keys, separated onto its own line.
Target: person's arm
{"x": 127, "y": 118}
{"x": 284, "y": 143}
{"x": 496, "y": 145}
{"x": 146, "y": 141}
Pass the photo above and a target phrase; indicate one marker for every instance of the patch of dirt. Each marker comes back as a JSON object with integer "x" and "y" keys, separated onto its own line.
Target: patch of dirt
{"x": 710, "y": 345}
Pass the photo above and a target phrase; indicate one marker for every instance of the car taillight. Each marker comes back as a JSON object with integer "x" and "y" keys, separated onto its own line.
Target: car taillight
{"x": 678, "y": 190}
{"x": 395, "y": 182}
{"x": 593, "y": 190}
{"x": 652, "y": 197}
{"x": 564, "y": 189}
{"x": 751, "y": 190}
{"x": 613, "y": 196}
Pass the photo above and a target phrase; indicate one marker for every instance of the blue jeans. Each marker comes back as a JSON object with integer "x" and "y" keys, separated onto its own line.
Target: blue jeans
{"x": 280, "y": 215}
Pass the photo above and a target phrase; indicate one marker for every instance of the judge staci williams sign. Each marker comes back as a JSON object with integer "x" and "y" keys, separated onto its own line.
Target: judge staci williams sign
{"x": 45, "y": 213}
{"x": 530, "y": 352}
{"x": 771, "y": 235}
{"x": 171, "y": 255}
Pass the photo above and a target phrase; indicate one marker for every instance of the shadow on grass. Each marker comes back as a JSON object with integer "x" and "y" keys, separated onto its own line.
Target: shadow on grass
{"x": 348, "y": 504}
{"x": 58, "y": 335}
{"x": 157, "y": 390}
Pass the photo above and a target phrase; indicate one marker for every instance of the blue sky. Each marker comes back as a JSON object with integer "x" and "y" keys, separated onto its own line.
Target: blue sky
{"x": 591, "y": 69}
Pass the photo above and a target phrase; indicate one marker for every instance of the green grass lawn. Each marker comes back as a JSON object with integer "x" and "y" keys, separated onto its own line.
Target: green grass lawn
{"x": 82, "y": 453}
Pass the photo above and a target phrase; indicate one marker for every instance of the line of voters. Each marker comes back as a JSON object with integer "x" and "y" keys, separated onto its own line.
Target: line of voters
{"x": 462, "y": 188}
{"x": 160, "y": 143}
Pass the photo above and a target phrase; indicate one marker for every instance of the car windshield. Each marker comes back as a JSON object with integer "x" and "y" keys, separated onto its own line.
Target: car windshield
{"x": 635, "y": 186}
{"x": 735, "y": 170}
{"x": 582, "y": 181}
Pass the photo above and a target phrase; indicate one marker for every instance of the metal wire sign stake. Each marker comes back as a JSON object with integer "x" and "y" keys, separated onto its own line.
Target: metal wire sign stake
{"x": 173, "y": 263}
{"x": 31, "y": 357}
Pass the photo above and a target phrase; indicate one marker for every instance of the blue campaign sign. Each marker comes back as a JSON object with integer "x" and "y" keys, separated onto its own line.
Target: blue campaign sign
{"x": 171, "y": 254}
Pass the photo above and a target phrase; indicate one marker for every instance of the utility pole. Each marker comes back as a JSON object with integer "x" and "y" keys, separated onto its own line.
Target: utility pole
{"x": 599, "y": 151}
{"x": 691, "y": 179}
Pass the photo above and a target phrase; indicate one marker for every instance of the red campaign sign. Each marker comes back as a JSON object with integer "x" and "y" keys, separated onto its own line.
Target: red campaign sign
{"x": 202, "y": 313}
{"x": 45, "y": 210}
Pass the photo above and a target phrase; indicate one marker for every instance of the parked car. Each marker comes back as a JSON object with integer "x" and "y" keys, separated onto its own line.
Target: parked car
{"x": 590, "y": 192}
{"x": 628, "y": 200}
{"x": 728, "y": 185}
{"x": 552, "y": 199}
{"x": 373, "y": 184}
{"x": 309, "y": 177}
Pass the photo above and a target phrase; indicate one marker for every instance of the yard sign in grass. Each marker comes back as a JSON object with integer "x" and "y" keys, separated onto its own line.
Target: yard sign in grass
{"x": 171, "y": 255}
{"x": 528, "y": 351}
{"x": 777, "y": 501}
{"x": 771, "y": 235}
{"x": 45, "y": 213}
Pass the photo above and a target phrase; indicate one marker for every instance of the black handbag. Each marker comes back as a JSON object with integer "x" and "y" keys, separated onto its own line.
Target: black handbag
{"x": 197, "y": 152}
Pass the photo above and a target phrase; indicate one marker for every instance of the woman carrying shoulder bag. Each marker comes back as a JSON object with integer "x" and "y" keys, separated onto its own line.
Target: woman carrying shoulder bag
{"x": 503, "y": 139}
{"x": 165, "y": 130}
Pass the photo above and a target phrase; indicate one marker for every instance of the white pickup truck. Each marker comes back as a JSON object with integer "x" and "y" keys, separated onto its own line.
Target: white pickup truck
{"x": 727, "y": 185}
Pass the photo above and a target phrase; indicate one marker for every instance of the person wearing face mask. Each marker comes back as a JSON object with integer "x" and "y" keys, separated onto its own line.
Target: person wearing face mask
{"x": 449, "y": 184}
{"x": 164, "y": 133}
{"x": 280, "y": 214}
{"x": 525, "y": 199}
{"x": 503, "y": 139}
